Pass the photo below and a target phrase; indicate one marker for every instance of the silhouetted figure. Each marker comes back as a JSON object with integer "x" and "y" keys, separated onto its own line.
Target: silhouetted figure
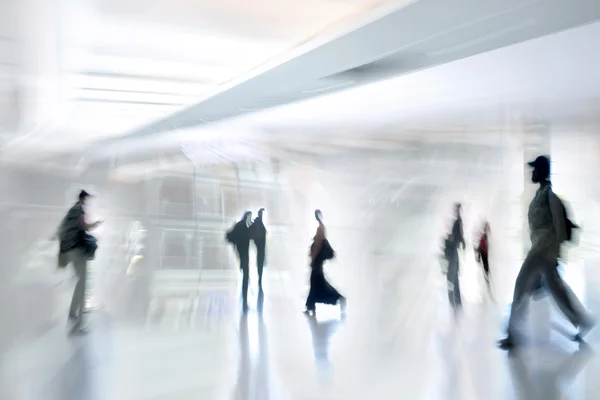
{"x": 482, "y": 252}
{"x": 457, "y": 227}
{"x": 74, "y": 248}
{"x": 549, "y": 227}
{"x": 239, "y": 236}
{"x": 320, "y": 290}
{"x": 259, "y": 236}
{"x": 451, "y": 255}
{"x": 454, "y": 240}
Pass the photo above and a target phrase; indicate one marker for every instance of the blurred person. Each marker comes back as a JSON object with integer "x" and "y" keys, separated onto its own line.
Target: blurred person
{"x": 135, "y": 246}
{"x": 75, "y": 248}
{"x": 139, "y": 275}
{"x": 457, "y": 227}
{"x": 259, "y": 236}
{"x": 549, "y": 228}
{"x": 452, "y": 271}
{"x": 481, "y": 252}
{"x": 453, "y": 242}
{"x": 240, "y": 236}
{"x": 320, "y": 290}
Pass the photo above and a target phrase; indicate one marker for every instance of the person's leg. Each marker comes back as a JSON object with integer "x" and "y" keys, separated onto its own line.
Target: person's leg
{"x": 527, "y": 278}
{"x": 78, "y": 301}
{"x": 457, "y": 284}
{"x": 244, "y": 266}
{"x": 457, "y": 295}
{"x": 453, "y": 284}
{"x": 564, "y": 297}
{"x": 260, "y": 262}
{"x": 486, "y": 268}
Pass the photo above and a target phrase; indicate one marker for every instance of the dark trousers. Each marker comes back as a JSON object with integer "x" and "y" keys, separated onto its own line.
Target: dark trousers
{"x": 486, "y": 268}
{"x": 260, "y": 262}
{"x": 244, "y": 267}
{"x": 453, "y": 283}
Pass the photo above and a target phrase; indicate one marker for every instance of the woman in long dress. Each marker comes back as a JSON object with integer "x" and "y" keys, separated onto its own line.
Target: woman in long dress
{"x": 320, "y": 290}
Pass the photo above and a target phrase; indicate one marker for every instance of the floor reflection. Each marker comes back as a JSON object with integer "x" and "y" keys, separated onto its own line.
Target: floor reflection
{"x": 539, "y": 377}
{"x": 254, "y": 380}
{"x": 322, "y": 333}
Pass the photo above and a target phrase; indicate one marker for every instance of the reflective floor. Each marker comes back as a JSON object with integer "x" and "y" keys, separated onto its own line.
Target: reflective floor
{"x": 180, "y": 333}
{"x": 405, "y": 342}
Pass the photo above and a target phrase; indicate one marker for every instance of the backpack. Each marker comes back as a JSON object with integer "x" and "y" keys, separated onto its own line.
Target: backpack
{"x": 569, "y": 225}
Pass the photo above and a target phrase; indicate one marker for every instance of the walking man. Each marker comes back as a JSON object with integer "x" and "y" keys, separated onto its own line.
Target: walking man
{"x": 74, "y": 249}
{"x": 548, "y": 229}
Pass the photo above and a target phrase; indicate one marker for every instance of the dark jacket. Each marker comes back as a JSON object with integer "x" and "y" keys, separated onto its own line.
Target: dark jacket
{"x": 239, "y": 236}
{"x": 457, "y": 232}
{"x": 258, "y": 233}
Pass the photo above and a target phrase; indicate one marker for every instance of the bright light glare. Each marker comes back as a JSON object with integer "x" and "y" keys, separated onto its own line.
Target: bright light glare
{"x": 81, "y": 81}
{"x": 226, "y": 51}
{"x": 104, "y": 109}
{"x": 158, "y": 68}
{"x": 134, "y": 97}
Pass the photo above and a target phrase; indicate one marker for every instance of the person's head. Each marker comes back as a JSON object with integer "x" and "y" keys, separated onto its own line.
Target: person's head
{"x": 260, "y": 212}
{"x": 541, "y": 169}
{"x": 457, "y": 209}
{"x": 83, "y": 197}
{"x": 319, "y": 215}
{"x": 247, "y": 217}
{"x": 486, "y": 227}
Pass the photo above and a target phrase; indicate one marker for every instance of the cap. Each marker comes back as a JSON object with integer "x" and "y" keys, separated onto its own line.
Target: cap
{"x": 541, "y": 163}
{"x": 83, "y": 194}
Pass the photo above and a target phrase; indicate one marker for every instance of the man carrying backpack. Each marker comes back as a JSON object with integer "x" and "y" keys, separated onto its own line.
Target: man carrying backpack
{"x": 549, "y": 228}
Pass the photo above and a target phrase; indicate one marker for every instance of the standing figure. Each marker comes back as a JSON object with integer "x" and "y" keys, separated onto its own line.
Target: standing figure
{"x": 452, "y": 271}
{"x": 259, "y": 236}
{"x": 320, "y": 290}
{"x": 239, "y": 236}
{"x": 549, "y": 227}
{"x": 74, "y": 248}
{"x": 482, "y": 254}
{"x": 455, "y": 239}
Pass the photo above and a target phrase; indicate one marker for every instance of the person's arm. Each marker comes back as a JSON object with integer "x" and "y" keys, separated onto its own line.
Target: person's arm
{"x": 85, "y": 226}
{"x": 319, "y": 236}
{"x": 558, "y": 218}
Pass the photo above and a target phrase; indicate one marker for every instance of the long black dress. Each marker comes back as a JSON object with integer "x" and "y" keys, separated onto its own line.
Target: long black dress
{"x": 320, "y": 290}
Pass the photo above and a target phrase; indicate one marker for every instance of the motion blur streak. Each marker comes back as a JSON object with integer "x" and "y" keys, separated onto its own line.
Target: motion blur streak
{"x": 178, "y": 117}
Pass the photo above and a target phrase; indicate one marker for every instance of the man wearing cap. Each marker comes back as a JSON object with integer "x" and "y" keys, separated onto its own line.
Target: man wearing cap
{"x": 547, "y": 231}
{"x": 71, "y": 235}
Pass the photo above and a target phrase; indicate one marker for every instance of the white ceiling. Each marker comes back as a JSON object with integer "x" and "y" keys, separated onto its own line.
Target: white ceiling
{"x": 102, "y": 70}
{"x": 520, "y": 84}
{"x": 87, "y": 70}
{"x": 421, "y": 35}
